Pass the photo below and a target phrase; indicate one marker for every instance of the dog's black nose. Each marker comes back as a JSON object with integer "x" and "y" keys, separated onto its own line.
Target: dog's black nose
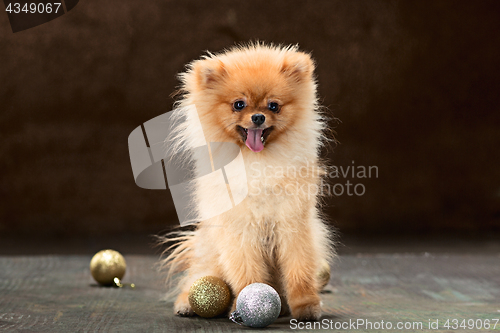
{"x": 258, "y": 119}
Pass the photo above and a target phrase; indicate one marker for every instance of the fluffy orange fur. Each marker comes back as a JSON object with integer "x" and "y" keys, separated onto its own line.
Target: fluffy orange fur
{"x": 275, "y": 237}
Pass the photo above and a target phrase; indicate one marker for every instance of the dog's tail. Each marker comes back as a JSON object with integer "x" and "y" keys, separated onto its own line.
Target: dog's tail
{"x": 176, "y": 258}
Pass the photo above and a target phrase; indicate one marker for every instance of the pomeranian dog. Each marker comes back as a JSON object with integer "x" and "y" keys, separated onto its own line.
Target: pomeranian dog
{"x": 262, "y": 98}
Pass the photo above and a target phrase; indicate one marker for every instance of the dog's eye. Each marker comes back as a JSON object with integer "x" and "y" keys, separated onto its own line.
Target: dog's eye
{"x": 273, "y": 106}
{"x": 239, "y": 105}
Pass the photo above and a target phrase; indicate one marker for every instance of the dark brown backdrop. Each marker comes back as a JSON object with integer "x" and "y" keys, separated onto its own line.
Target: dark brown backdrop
{"x": 414, "y": 83}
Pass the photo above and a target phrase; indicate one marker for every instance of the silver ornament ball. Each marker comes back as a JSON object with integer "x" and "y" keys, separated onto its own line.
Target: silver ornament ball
{"x": 258, "y": 305}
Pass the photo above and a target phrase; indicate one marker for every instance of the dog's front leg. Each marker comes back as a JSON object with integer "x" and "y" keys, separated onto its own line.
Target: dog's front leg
{"x": 298, "y": 262}
{"x": 243, "y": 264}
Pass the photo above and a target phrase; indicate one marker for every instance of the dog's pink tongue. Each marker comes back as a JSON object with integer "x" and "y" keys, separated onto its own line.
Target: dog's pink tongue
{"x": 253, "y": 140}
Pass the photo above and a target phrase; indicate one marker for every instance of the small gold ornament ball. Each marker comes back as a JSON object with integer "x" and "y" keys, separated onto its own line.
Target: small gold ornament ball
{"x": 324, "y": 274}
{"x": 209, "y": 296}
{"x": 106, "y": 265}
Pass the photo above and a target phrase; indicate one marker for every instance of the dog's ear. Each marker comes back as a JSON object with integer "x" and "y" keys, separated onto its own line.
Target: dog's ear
{"x": 209, "y": 72}
{"x": 298, "y": 66}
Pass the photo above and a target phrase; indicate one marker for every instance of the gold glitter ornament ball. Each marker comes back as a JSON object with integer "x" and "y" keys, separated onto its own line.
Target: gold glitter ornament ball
{"x": 106, "y": 265}
{"x": 324, "y": 274}
{"x": 209, "y": 296}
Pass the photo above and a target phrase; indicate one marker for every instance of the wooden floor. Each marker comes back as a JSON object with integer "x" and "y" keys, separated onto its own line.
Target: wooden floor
{"x": 56, "y": 293}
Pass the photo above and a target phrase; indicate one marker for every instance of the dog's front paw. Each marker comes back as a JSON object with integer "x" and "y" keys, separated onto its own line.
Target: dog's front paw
{"x": 184, "y": 311}
{"x": 182, "y": 307}
{"x": 307, "y": 311}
